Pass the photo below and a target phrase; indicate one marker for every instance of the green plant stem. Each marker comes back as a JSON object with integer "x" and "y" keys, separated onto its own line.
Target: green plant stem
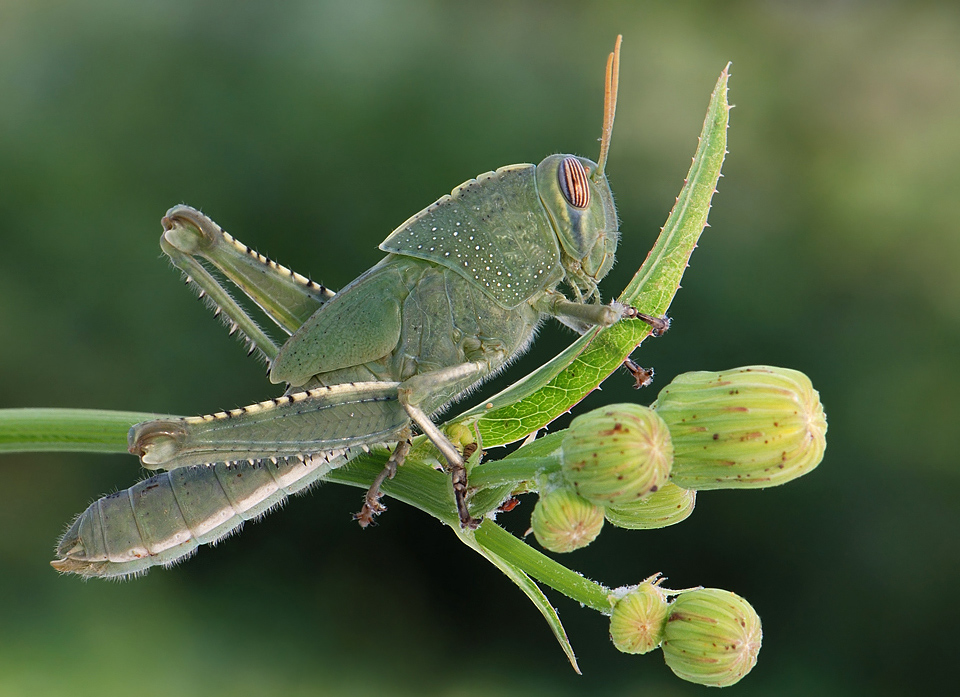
{"x": 512, "y": 470}
{"x": 416, "y": 483}
{"x": 68, "y": 430}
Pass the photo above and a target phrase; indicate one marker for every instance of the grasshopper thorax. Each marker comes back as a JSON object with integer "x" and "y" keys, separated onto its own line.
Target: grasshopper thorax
{"x": 581, "y": 210}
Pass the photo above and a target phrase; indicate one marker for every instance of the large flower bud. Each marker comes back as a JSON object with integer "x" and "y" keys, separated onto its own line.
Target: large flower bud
{"x": 617, "y": 454}
{"x": 563, "y": 521}
{"x": 749, "y": 427}
{"x": 638, "y": 619}
{"x": 712, "y": 637}
{"x": 668, "y": 505}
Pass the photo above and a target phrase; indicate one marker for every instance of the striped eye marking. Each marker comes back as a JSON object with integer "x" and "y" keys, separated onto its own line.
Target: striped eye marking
{"x": 573, "y": 182}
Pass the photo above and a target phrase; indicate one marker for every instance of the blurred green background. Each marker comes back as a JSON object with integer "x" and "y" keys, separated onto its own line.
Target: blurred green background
{"x": 310, "y": 130}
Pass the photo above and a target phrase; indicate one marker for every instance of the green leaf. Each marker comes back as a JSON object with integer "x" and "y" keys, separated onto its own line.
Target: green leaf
{"x": 495, "y": 539}
{"x": 532, "y": 590}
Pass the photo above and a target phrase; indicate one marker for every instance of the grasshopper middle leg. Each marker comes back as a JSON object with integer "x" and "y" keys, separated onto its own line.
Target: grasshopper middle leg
{"x": 371, "y": 501}
{"x": 420, "y": 388}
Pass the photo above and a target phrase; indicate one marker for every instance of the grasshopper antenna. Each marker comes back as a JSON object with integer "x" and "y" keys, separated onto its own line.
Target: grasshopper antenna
{"x": 609, "y": 105}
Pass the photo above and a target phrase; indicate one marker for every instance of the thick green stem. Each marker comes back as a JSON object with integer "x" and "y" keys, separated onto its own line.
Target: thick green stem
{"x": 68, "y": 430}
{"x": 415, "y": 483}
{"x": 512, "y": 470}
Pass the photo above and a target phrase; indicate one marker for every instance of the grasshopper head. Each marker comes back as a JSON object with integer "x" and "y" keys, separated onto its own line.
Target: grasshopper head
{"x": 576, "y": 194}
{"x": 580, "y": 205}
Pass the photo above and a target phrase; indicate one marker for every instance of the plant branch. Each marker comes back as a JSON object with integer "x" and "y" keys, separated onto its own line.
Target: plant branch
{"x": 68, "y": 430}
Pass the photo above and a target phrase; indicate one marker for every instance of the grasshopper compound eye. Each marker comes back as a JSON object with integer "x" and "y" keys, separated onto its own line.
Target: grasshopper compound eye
{"x": 573, "y": 182}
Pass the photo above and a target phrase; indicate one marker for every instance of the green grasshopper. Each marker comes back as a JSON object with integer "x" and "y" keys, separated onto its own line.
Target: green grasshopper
{"x": 460, "y": 294}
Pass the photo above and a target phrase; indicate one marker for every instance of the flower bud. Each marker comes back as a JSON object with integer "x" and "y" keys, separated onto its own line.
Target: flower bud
{"x": 749, "y": 427}
{"x": 636, "y": 625}
{"x": 617, "y": 454}
{"x": 712, "y": 637}
{"x": 563, "y": 521}
{"x": 668, "y": 505}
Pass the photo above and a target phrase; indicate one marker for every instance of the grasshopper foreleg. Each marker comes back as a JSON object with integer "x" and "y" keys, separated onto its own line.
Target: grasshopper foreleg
{"x": 583, "y": 316}
{"x": 371, "y": 502}
{"x": 579, "y": 316}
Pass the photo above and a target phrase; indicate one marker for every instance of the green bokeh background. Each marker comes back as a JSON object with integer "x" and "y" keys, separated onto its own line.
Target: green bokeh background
{"x": 310, "y": 130}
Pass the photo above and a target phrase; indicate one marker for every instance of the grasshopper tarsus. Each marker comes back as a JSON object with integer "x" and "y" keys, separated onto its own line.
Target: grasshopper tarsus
{"x": 369, "y": 511}
{"x": 371, "y": 500}
{"x": 459, "y": 475}
{"x": 658, "y": 325}
{"x": 642, "y": 376}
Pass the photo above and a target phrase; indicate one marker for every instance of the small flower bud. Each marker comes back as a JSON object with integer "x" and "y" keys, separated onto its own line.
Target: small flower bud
{"x": 636, "y": 625}
{"x": 617, "y": 454}
{"x": 749, "y": 427}
{"x": 668, "y": 505}
{"x": 563, "y": 521}
{"x": 712, "y": 637}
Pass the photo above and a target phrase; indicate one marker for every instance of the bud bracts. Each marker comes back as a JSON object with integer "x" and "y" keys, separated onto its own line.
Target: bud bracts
{"x": 712, "y": 637}
{"x": 668, "y": 505}
{"x": 563, "y": 521}
{"x": 617, "y": 454}
{"x": 638, "y": 619}
{"x": 749, "y": 427}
